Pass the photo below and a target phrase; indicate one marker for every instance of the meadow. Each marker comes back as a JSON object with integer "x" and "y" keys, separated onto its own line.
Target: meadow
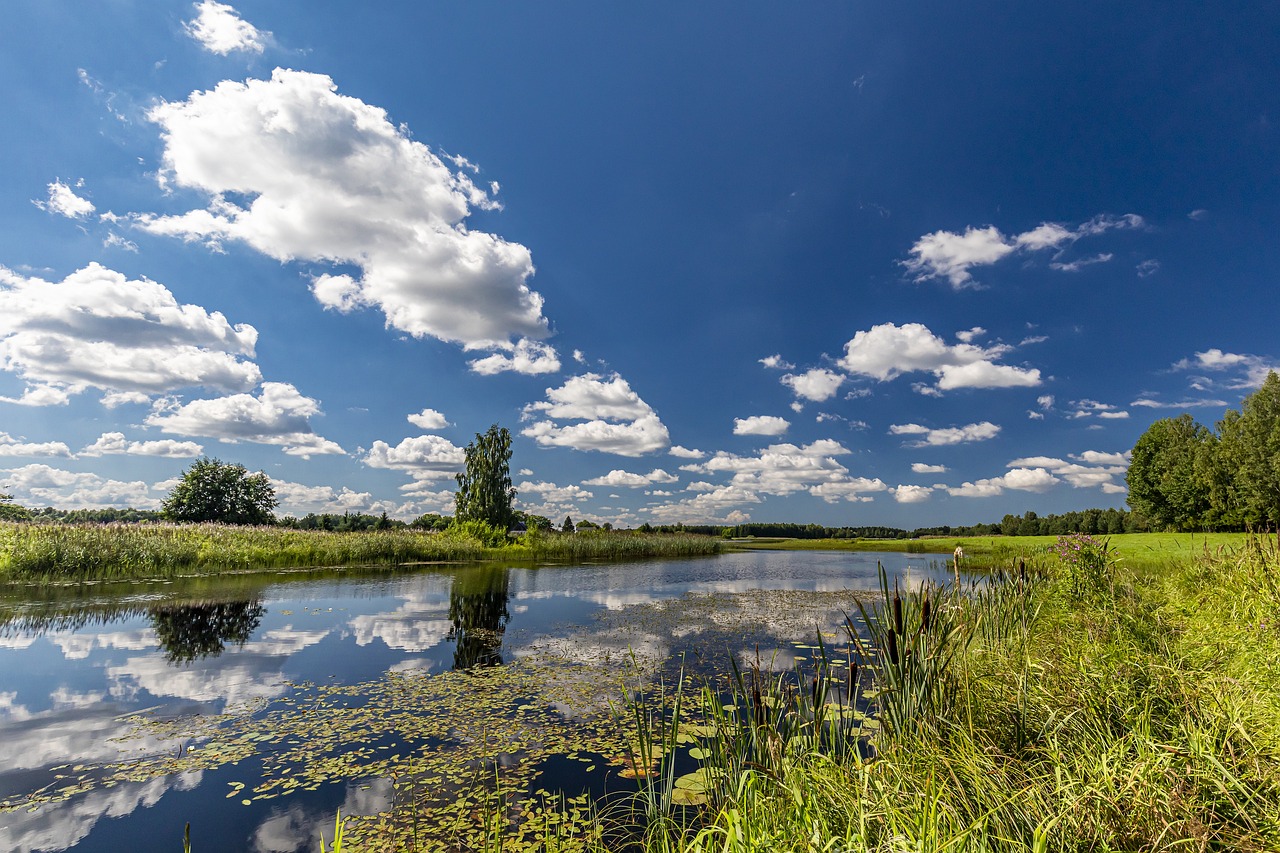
{"x": 992, "y": 551}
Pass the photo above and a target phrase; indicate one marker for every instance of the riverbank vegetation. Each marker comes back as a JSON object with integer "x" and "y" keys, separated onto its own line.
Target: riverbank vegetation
{"x": 990, "y": 552}
{"x": 67, "y": 552}
{"x": 1083, "y": 706}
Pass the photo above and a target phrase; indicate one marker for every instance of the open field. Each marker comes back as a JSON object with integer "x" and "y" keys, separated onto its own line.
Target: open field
{"x": 989, "y": 551}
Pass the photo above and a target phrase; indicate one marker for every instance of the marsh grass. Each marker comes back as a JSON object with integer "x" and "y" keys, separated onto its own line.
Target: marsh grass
{"x": 74, "y": 552}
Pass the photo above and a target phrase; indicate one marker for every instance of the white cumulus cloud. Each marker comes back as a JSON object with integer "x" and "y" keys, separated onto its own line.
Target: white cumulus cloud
{"x": 618, "y": 477}
{"x": 220, "y": 29}
{"x": 760, "y": 425}
{"x": 98, "y": 329}
{"x": 428, "y": 419}
{"x": 299, "y": 172}
{"x": 613, "y": 418}
{"x": 279, "y": 415}
{"x": 818, "y": 384}
{"x": 887, "y": 351}
{"x": 114, "y": 443}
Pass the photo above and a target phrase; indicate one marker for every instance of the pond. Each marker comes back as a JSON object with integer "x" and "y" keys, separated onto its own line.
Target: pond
{"x": 256, "y": 707}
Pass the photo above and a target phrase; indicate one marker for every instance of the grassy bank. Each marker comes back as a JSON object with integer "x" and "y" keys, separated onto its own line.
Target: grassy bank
{"x": 1096, "y": 707}
{"x": 69, "y": 552}
{"x": 991, "y": 551}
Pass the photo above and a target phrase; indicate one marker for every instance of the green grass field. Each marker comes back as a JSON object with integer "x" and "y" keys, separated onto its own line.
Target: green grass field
{"x": 989, "y": 551}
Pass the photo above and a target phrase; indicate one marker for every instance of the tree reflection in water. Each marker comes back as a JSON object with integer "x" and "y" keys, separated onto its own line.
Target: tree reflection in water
{"x": 190, "y": 631}
{"x": 478, "y": 611}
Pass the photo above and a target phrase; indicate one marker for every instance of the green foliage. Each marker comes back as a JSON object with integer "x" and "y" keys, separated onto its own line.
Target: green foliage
{"x": 1162, "y": 478}
{"x": 484, "y": 491}
{"x": 431, "y": 521}
{"x": 568, "y": 525}
{"x": 9, "y": 511}
{"x": 486, "y": 534}
{"x": 213, "y": 490}
{"x": 1251, "y": 451}
{"x": 344, "y": 522}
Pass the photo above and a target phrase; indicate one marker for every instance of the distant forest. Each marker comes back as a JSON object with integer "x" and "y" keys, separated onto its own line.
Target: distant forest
{"x": 1092, "y": 521}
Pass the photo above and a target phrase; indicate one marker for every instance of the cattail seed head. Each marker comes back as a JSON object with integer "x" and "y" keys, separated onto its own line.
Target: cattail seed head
{"x": 897, "y": 613}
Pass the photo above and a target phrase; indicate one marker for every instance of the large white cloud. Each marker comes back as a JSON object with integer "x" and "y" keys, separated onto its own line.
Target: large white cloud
{"x": 613, "y": 418}
{"x": 946, "y": 254}
{"x": 279, "y": 415}
{"x": 887, "y": 351}
{"x": 297, "y": 171}
{"x": 947, "y": 435}
{"x": 98, "y": 329}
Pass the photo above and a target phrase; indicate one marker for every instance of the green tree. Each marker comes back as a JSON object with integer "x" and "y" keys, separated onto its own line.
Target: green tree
{"x": 1163, "y": 482}
{"x": 1250, "y": 452}
{"x": 213, "y": 490}
{"x": 10, "y": 511}
{"x": 484, "y": 491}
{"x": 567, "y": 527}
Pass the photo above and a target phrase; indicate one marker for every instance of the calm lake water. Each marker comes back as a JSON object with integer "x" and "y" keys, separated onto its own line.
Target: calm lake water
{"x": 79, "y": 668}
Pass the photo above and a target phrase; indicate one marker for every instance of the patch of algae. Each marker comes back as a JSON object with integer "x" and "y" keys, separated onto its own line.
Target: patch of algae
{"x": 459, "y": 747}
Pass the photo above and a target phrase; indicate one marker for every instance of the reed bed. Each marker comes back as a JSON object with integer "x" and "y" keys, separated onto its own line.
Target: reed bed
{"x": 619, "y": 545}
{"x": 72, "y": 552}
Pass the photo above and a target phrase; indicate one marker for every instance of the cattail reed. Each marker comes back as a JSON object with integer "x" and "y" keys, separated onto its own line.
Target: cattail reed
{"x": 897, "y": 612}
{"x": 924, "y": 615}
{"x": 893, "y": 647}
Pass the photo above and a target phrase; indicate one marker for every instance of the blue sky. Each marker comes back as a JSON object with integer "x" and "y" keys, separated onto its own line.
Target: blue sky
{"x": 859, "y": 263}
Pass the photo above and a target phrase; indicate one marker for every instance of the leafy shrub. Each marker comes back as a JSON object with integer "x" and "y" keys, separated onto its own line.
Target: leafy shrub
{"x": 489, "y": 535}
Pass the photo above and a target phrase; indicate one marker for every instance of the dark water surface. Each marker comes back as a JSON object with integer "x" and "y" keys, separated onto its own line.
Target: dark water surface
{"x": 77, "y": 665}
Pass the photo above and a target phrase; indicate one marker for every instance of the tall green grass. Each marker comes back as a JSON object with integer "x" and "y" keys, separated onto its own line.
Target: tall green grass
{"x": 118, "y": 551}
{"x": 1026, "y": 713}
